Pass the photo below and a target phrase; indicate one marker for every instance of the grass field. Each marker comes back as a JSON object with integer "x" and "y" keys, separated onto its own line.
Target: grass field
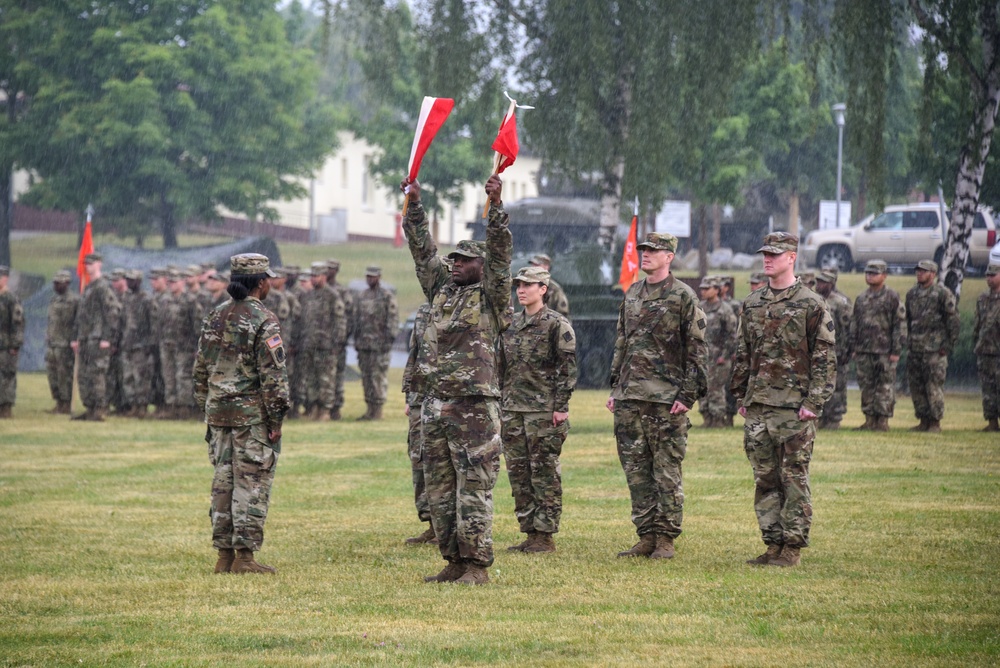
{"x": 106, "y": 559}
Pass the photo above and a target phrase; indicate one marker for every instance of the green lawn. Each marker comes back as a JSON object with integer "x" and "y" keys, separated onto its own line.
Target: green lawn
{"x": 106, "y": 559}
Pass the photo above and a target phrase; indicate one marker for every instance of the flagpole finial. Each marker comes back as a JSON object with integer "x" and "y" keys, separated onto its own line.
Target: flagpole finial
{"x": 89, "y": 211}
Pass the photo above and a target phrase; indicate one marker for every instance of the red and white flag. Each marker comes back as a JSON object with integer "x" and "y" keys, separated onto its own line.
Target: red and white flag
{"x": 433, "y": 113}
{"x": 630, "y": 258}
{"x": 506, "y": 144}
{"x": 86, "y": 248}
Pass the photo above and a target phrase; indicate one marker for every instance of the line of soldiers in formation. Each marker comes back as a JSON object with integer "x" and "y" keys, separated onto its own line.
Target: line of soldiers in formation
{"x": 133, "y": 348}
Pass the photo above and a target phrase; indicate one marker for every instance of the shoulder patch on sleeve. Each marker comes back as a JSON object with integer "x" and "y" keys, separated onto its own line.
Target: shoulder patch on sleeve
{"x": 274, "y": 341}
{"x": 830, "y": 326}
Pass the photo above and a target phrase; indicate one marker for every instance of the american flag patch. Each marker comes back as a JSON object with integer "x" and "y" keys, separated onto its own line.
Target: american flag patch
{"x": 274, "y": 341}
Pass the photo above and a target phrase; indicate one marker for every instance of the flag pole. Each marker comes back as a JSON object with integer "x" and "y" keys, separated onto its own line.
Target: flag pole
{"x": 496, "y": 154}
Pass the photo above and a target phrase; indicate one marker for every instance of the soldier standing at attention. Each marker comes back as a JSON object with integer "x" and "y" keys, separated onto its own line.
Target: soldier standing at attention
{"x": 323, "y": 324}
{"x": 878, "y": 330}
{"x": 720, "y": 337}
{"x": 785, "y": 372}
{"x": 340, "y": 345}
{"x": 116, "y": 370}
{"x": 840, "y": 309}
{"x": 413, "y": 389}
{"x": 461, "y": 413}
{"x": 11, "y": 340}
{"x": 216, "y": 286}
{"x": 376, "y": 320}
{"x": 137, "y": 346}
{"x": 757, "y": 280}
{"x": 932, "y": 326}
{"x": 97, "y": 323}
{"x": 557, "y": 300}
{"x": 539, "y": 378}
{"x": 658, "y": 372}
{"x": 242, "y": 389}
{"x": 61, "y": 329}
{"x": 986, "y": 334}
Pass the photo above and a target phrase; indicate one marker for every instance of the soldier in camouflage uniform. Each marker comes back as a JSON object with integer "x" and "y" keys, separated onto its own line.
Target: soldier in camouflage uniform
{"x": 461, "y": 412}
{"x": 757, "y": 280}
{"x": 137, "y": 346}
{"x": 808, "y": 279}
{"x": 180, "y": 323}
{"x": 785, "y": 372}
{"x": 539, "y": 350}
{"x": 97, "y": 324}
{"x": 241, "y": 387}
{"x": 289, "y": 328}
{"x": 340, "y": 345}
{"x": 11, "y": 340}
{"x": 413, "y": 389}
{"x": 932, "y": 326}
{"x": 376, "y": 320}
{"x": 878, "y": 331}
{"x": 323, "y": 324}
{"x": 215, "y": 284}
{"x": 60, "y": 330}
{"x": 727, "y": 293}
{"x": 557, "y": 300}
{"x": 840, "y": 309}
{"x": 986, "y": 335}
{"x": 116, "y": 368}
{"x": 720, "y": 337}
{"x": 158, "y": 282}
{"x": 657, "y": 373}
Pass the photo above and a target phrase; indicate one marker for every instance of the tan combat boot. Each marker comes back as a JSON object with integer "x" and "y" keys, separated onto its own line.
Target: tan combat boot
{"x": 245, "y": 563}
{"x": 789, "y": 557}
{"x": 377, "y": 412}
{"x": 764, "y": 559}
{"x": 426, "y": 537}
{"x": 367, "y": 416}
{"x": 664, "y": 548}
{"x": 869, "y": 421}
{"x": 449, "y": 573}
{"x": 934, "y": 426}
{"x": 881, "y": 423}
{"x": 96, "y": 414}
{"x": 644, "y": 548}
{"x": 322, "y": 415}
{"x": 62, "y": 408}
{"x": 473, "y": 575}
{"x": 993, "y": 425}
{"x": 225, "y": 562}
{"x": 523, "y": 544}
{"x": 923, "y": 426}
{"x": 5, "y": 412}
{"x": 335, "y": 414}
{"x": 542, "y": 542}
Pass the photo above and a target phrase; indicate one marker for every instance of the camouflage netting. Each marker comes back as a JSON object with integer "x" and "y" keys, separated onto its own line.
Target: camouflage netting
{"x": 36, "y": 307}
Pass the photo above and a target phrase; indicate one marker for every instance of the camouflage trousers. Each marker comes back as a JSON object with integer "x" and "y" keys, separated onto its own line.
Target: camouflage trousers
{"x": 137, "y": 377}
{"x": 8, "y": 377}
{"x": 835, "y": 408}
{"x": 415, "y": 450}
{"x": 92, "y": 375}
{"x": 925, "y": 374}
{"x": 156, "y": 390}
{"x": 115, "y": 384}
{"x": 461, "y": 450}
{"x": 178, "y": 378}
{"x": 59, "y": 368}
{"x": 715, "y": 404}
{"x": 293, "y": 389}
{"x": 338, "y": 384}
{"x": 531, "y": 449}
{"x": 244, "y": 462}
{"x": 877, "y": 380}
{"x": 989, "y": 379}
{"x": 651, "y": 447}
{"x": 779, "y": 446}
{"x": 318, "y": 369}
{"x": 374, "y": 367}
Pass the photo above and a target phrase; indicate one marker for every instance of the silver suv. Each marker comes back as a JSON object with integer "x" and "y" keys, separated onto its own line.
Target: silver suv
{"x": 900, "y": 235}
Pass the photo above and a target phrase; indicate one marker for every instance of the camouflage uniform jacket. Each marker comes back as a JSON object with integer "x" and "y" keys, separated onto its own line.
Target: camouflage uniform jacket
{"x": 278, "y": 304}
{"x": 787, "y": 355}
{"x": 932, "y": 321}
{"x": 323, "y": 325}
{"x": 466, "y": 320}
{"x": 986, "y": 330}
{"x": 879, "y": 323}
{"x": 840, "y": 308}
{"x": 660, "y": 354}
{"x": 61, "y": 328}
{"x": 557, "y": 299}
{"x": 347, "y": 296}
{"x": 180, "y": 321}
{"x": 540, "y": 374}
{"x": 99, "y": 316}
{"x": 376, "y": 320}
{"x": 11, "y": 322}
{"x": 137, "y": 321}
{"x": 289, "y": 327}
{"x": 159, "y": 308}
{"x": 720, "y": 330}
{"x": 736, "y": 305}
{"x": 413, "y": 383}
{"x": 239, "y": 374}
{"x": 206, "y": 302}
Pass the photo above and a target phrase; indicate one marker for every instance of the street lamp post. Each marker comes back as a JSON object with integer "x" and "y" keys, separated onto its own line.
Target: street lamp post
{"x": 838, "y": 117}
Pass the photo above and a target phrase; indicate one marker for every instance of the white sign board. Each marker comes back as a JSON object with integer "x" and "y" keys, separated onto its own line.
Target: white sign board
{"x": 675, "y": 218}
{"x": 828, "y": 214}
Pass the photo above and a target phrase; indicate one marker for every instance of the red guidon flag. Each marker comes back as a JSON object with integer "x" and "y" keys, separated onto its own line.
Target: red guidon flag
{"x": 506, "y": 142}
{"x": 433, "y": 113}
{"x": 86, "y": 248}
{"x": 630, "y": 258}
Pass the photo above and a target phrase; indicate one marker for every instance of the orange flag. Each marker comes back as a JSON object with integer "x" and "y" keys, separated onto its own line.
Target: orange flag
{"x": 86, "y": 248}
{"x": 630, "y": 258}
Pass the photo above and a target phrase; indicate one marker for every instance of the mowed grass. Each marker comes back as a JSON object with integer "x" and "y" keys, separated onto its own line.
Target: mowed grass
{"x": 106, "y": 558}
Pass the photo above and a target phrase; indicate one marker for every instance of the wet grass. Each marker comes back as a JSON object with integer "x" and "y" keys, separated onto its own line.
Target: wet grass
{"x": 105, "y": 554}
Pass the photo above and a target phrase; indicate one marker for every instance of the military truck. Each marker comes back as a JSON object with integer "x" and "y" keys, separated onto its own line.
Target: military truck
{"x": 582, "y": 250}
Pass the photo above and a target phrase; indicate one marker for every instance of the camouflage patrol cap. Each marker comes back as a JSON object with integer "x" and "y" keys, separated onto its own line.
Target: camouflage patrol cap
{"x": 808, "y": 277}
{"x": 62, "y": 276}
{"x": 827, "y": 276}
{"x": 540, "y": 259}
{"x": 303, "y": 278}
{"x": 777, "y": 243}
{"x": 248, "y": 264}
{"x": 175, "y": 275}
{"x": 468, "y": 248}
{"x": 331, "y": 265}
{"x": 758, "y": 277}
{"x": 533, "y": 274}
{"x": 118, "y": 273}
{"x": 710, "y": 282}
{"x": 213, "y": 275}
{"x": 993, "y": 270}
{"x": 876, "y": 267}
{"x": 659, "y": 241}
{"x": 93, "y": 257}
{"x": 927, "y": 265}
{"x": 291, "y": 269}
{"x": 373, "y": 271}
{"x": 158, "y": 272}
{"x": 207, "y": 266}
{"x": 134, "y": 274}
{"x": 319, "y": 268}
